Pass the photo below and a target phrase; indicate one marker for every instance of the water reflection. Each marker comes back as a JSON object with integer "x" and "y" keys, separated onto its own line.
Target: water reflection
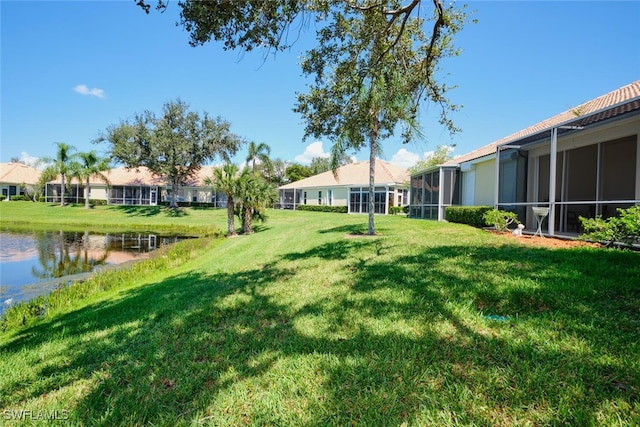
{"x": 34, "y": 263}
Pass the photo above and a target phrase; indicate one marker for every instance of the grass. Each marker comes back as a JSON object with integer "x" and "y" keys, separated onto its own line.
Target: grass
{"x": 308, "y": 323}
{"x": 196, "y": 222}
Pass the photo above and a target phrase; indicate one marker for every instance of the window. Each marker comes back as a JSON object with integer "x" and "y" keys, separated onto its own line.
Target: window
{"x": 330, "y": 194}
{"x": 359, "y": 200}
{"x": 319, "y": 197}
{"x": 305, "y": 198}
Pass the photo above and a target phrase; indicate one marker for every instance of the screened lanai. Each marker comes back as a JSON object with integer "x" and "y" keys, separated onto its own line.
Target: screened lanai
{"x": 133, "y": 195}
{"x": 594, "y": 161}
{"x": 583, "y": 162}
{"x": 433, "y": 190}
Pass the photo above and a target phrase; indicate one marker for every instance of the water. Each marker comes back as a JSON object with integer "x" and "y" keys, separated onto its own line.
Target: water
{"x": 34, "y": 263}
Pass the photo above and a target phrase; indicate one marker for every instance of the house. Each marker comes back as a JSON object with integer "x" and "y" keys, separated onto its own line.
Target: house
{"x": 349, "y": 187}
{"x": 15, "y": 176}
{"x": 582, "y": 162}
{"x": 137, "y": 186}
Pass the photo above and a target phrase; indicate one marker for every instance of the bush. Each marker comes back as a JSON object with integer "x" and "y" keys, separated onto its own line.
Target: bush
{"x": 395, "y": 210}
{"x": 622, "y": 229}
{"x": 323, "y": 208}
{"x": 500, "y": 219}
{"x": 2, "y": 197}
{"x": 470, "y": 215}
{"x": 190, "y": 204}
{"x": 19, "y": 198}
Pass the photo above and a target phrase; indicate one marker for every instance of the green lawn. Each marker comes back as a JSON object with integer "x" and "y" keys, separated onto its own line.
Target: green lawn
{"x": 303, "y": 323}
{"x": 192, "y": 221}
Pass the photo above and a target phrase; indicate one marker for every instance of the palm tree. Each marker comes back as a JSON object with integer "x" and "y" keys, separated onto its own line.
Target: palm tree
{"x": 258, "y": 152}
{"x": 254, "y": 196}
{"x": 61, "y": 164}
{"x": 225, "y": 180}
{"x": 89, "y": 165}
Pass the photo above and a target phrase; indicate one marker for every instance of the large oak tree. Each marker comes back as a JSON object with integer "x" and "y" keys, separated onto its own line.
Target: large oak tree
{"x": 374, "y": 63}
{"x": 173, "y": 145}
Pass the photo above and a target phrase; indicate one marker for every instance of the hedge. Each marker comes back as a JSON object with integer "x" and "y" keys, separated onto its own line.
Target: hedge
{"x": 394, "y": 210}
{"x": 323, "y": 208}
{"x": 191, "y": 204}
{"x": 19, "y": 198}
{"x": 470, "y": 215}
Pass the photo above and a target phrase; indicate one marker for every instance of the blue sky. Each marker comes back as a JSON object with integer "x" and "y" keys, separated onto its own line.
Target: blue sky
{"x": 70, "y": 69}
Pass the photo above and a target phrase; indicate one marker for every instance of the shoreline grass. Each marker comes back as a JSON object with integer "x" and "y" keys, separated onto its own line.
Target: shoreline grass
{"x": 304, "y": 323}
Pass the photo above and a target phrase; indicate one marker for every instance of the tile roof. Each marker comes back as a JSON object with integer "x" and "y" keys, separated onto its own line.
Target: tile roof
{"x": 630, "y": 92}
{"x": 18, "y": 173}
{"x": 143, "y": 176}
{"x": 354, "y": 174}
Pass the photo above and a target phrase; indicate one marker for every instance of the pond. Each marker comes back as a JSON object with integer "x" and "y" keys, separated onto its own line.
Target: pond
{"x": 34, "y": 263}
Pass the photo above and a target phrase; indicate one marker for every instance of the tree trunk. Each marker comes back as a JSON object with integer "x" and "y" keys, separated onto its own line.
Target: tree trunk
{"x": 174, "y": 190}
{"x": 247, "y": 225}
{"x": 231, "y": 228}
{"x": 62, "y": 191}
{"x": 372, "y": 176}
{"x": 87, "y": 189}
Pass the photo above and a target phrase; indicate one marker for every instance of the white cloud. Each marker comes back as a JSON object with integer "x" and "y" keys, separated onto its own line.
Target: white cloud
{"x": 315, "y": 149}
{"x": 404, "y": 158}
{"x": 84, "y": 90}
{"x": 28, "y": 159}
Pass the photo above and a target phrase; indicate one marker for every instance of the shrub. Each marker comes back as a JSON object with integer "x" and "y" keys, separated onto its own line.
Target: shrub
{"x": 500, "y": 219}
{"x": 20, "y": 198}
{"x": 190, "y": 204}
{"x": 395, "y": 210}
{"x": 2, "y": 197}
{"x": 624, "y": 229}
{"x": 470, "y": 215}
{"x": 323, "y": 208}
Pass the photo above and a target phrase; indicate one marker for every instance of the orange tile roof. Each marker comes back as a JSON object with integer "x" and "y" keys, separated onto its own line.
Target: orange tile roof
{"x": 609, "y": 100}
{"x": 18, "y": 173}
{"x": 354, "y": 174}
{"x": 143, "y": 176}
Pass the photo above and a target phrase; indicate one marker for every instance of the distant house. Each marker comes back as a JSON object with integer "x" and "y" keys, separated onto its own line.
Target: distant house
{"x": 137, "y": 187}
{"x": 582, "y": 162}
{"x": 15, "y": 176}
{"x": 349, "y": 187}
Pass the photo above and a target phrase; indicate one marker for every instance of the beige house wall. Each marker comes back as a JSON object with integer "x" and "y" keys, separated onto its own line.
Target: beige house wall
{"x": 98, "y": 193}
{"x": 339, "y": 196}
{"x": 484, "y": 192}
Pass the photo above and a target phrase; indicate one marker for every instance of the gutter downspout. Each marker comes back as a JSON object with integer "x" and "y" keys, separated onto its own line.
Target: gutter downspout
{"x": 553, "y": 154}
{"x": 497, "y": 182}
{"x": 441, "y": 194}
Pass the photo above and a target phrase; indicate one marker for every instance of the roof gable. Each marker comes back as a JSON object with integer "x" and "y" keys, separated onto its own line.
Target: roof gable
{"x": 354, "y": 174}
{"x": 18, "y": 173}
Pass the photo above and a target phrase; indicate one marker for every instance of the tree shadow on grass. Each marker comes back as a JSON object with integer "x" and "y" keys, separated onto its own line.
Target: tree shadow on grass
{"x": 146, "y": 211}
{"x": 355, "y": 229}
{"x": 149, "y": 211}
{"x": 393, "y": 346}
